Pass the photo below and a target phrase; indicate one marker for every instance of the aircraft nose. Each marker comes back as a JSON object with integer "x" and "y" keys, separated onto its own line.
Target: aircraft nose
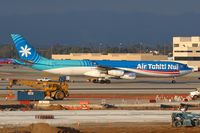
{"x": 193, "y": 70}
{"x": 190, "y": 70}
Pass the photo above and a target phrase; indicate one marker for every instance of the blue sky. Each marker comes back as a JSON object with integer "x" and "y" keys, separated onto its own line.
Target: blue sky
{"x": 46, "y": 22}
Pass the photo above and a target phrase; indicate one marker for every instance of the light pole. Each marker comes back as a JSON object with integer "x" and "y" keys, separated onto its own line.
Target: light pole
{"x": 120, "y": 44}
{"x": 100, "y": 44}
{"x": 140, "y": 47}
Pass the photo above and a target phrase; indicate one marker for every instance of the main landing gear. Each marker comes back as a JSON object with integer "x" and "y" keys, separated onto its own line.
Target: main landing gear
{"x": 100, "y": 80}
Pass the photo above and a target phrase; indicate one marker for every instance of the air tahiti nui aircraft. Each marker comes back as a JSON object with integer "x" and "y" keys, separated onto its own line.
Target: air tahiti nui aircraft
{"x": 102, "y": 70}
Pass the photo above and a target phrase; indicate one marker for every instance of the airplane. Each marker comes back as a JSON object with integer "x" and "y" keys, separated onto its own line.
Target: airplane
{"x": 101, "y": 70}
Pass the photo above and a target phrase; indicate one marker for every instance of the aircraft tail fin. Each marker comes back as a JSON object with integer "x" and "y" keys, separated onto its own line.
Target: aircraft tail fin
{"x": 25, "y": 50}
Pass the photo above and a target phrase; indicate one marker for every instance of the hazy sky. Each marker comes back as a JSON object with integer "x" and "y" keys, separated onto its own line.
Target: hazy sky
{"x": 107, "y": 21}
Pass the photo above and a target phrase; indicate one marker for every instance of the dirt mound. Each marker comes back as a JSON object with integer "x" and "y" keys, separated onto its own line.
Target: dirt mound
{"x": 39, "y": 128}
{"x": 50, "y": 107}
{"x": 42, "y": 128}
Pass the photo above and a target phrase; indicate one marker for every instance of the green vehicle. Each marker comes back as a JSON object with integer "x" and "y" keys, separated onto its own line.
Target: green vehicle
{"x": 185, "y": 119}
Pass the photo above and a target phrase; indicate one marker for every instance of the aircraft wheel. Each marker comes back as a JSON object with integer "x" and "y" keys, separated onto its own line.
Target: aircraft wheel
{"x": 107, "y": 81}
{"x": 59, "y": 95}
{"x": 102, "y": 81}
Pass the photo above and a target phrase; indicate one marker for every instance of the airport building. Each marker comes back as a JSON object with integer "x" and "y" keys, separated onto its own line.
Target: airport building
{"x": 187, "y": 50}
{"x": 109, "y": 56}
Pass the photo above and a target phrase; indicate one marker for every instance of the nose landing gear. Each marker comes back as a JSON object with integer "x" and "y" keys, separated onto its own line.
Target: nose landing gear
{"x": 173, "y": 80}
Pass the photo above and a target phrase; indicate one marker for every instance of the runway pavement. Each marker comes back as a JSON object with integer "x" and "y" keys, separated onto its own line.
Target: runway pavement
{"x": 149, "y": 85}
{"x": 89, "y": 116}
{"x": 111, "y": 89}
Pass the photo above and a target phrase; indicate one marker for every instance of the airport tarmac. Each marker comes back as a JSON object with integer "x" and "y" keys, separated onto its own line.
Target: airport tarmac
{"x": 84, "y": 116}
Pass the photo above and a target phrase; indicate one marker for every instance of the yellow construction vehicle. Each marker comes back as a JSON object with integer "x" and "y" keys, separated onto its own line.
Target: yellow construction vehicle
{"x": 54, "y": 89}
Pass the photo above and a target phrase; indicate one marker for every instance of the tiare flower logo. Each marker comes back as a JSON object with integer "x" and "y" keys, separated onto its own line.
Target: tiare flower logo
{"x": 25, "y": 51}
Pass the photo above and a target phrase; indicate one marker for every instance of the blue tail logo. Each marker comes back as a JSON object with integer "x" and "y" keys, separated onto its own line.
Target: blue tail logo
{"x": 25, "y": 50}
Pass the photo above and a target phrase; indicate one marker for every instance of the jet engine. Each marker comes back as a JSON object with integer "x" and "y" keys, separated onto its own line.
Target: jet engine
{"x": 128, "y": 75}
{"x": 117, "y": 73}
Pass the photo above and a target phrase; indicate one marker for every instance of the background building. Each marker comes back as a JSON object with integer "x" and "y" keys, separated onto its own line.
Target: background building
{"x": 109, "y": 56}
{"x": 187, "y": 50}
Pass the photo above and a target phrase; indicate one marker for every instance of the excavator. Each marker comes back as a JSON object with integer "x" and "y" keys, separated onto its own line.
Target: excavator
{"x": 54, "y": 89}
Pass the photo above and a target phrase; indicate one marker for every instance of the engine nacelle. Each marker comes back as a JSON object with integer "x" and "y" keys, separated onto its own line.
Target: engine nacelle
{"x": 116, "y": 72}
{"x": 128, "y": 76}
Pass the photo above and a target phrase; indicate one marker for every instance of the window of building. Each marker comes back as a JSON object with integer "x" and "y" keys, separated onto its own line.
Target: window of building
{"x": 176, "y": 45}
{"x": 195, "y": 45}
{"x": 181, "y": 51}
{"x": 187, "y": 58}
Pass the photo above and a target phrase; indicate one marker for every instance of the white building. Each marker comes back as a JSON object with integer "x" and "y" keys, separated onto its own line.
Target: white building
{"x": 187, "y": 50}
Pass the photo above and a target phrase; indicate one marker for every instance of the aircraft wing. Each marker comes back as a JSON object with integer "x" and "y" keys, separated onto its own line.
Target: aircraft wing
{"x": 104, "y": 66}
{"x": 112, "y": 69}
{"x": 100, "y": 67}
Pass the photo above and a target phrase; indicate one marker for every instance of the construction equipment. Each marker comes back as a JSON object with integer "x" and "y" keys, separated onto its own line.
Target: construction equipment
{"x": 195, "y": 94}
{"x": 54, "y": 89}
{"x": 185, "y": 119}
